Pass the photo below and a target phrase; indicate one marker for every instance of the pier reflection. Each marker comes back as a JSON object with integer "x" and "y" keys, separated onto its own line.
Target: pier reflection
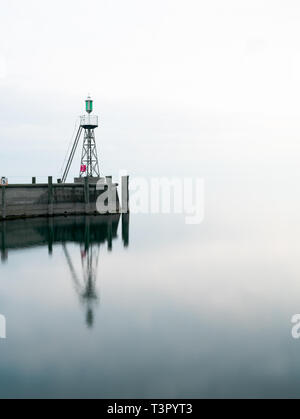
{"x": 89, "y": 232}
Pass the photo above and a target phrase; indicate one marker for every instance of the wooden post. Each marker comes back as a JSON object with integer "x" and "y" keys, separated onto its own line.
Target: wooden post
{"x": 125, "y": 194}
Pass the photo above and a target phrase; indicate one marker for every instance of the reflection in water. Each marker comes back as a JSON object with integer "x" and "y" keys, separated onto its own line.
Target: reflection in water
{"x": 86, "y": 288}
{"x": 125, "y": 229}
{"x": 88, "y": 231}
{"x": 201, "y": 312}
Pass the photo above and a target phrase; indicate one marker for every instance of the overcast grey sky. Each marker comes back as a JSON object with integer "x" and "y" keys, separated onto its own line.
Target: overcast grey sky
{"x": 181, "y": 86}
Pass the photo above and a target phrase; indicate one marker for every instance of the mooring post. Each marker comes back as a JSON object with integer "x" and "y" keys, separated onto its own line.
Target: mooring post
{"x": 113, "y": 199}
{"x": 50, "y": 196}
{"x": 3, "y": 188}
{"x": 86, "y": 194}
{"x": 34, "y": 180}
{"x": 125, "y": 194}
{"x": 108, "y": 180}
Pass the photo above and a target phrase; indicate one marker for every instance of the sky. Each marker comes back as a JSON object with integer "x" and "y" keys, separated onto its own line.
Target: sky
{"x": 182, "y": 87}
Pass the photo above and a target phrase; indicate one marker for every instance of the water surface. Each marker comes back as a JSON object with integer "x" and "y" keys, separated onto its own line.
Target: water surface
{"x": 146, "y": 306}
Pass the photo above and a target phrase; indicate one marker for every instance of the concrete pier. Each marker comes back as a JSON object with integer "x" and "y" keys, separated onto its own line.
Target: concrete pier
{"x": 49, "y": 199}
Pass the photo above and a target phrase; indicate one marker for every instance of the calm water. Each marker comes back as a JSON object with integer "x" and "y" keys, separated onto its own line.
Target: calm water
{"x": 150, "y": 307}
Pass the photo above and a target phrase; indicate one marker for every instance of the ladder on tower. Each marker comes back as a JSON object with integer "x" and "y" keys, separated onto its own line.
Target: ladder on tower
{"x": 71, "y": 156}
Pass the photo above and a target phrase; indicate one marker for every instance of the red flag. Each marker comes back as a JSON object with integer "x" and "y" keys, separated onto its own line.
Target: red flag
{"x": 83, "y": 168}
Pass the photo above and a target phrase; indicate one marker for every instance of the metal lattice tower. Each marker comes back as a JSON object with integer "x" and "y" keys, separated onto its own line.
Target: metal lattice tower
{"x": 89, "y": 158}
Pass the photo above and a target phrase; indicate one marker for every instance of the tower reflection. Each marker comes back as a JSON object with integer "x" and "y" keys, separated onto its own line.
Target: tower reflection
{"x": 89, "y": 232}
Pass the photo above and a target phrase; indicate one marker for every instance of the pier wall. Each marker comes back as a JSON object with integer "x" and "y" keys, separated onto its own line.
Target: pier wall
{"x": 33, "y": 200}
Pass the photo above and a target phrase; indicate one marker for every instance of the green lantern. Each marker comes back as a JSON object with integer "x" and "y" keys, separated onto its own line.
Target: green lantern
{"x": 89, "y": 105}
